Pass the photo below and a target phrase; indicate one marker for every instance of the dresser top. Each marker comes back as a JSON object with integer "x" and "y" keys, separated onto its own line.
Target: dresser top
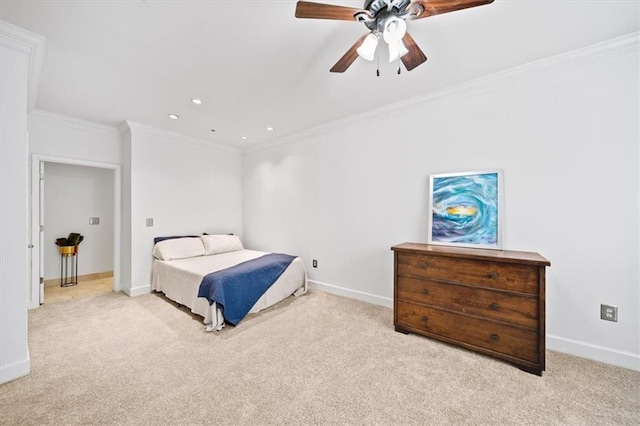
{"x": 506, "y": 256}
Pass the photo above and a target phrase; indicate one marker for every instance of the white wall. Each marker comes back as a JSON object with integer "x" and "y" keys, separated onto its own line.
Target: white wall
{"x": 185, "y": 185}
{"x": 14, "y": 79}
{"x": 126, "y": 228}
{"x": 61, "y": 136}
{"x": 73, "y": 194}
{"x": 565, "y": 132}
{"x": 60, "y": 139}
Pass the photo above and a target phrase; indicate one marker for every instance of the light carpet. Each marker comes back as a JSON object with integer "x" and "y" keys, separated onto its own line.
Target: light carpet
{"x": 315, "y": 359}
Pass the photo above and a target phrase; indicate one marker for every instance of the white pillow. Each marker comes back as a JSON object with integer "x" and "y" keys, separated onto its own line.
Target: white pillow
{"x": 216, "y": 244}
{"x": 179, "y": 248}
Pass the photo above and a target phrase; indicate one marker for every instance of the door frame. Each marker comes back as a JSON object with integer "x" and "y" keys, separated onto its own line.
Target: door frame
{"x": 34, "y": 286}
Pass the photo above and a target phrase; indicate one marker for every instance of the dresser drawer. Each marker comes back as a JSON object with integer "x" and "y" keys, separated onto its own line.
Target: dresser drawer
{"x": 504, "y": 276}
{"x": 519, "y": 343}
{"x": 511, "y": 308}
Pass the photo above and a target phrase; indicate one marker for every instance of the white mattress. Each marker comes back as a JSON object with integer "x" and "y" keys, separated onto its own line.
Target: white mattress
{"x": 180, "y": 280}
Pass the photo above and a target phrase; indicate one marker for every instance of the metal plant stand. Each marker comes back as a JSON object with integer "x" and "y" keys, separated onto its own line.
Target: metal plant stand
{"x": 68, "y": 266}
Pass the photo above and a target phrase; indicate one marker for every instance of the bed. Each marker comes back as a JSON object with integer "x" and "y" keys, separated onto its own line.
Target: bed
{"x": 180, "y": 264}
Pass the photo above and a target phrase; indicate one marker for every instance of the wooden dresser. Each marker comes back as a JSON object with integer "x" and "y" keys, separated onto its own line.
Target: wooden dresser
{"x": 489, "y": 301}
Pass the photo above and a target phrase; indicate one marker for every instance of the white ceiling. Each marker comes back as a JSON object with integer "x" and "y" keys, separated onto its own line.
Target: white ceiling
{"x": 255, "y": 65}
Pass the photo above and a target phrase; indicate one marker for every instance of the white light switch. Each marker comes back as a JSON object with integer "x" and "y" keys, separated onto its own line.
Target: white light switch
{"x": 94, "y": 221}
{"x": 149, "y": 221}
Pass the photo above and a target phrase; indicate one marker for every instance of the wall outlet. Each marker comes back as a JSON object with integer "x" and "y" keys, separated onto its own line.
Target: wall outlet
{"x": 315, "y": 263}
{"x": 609, "y": 313}
{"x": 149, "y": 221}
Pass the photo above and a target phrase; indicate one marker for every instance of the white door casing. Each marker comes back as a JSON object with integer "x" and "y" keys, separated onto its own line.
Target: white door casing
{"x": 37, "y": 219}
{"x": 41, "y": 231}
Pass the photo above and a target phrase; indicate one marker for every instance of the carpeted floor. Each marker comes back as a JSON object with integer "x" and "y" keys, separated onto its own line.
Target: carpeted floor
{"x": 316, "y": 359}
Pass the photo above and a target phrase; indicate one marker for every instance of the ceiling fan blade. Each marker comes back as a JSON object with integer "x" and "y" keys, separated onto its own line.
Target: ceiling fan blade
{"x": 437, "y": 7}
{"x": 349, "y": 57}
{"x": 307, "y": 9}
{"x": 415, "y": 56}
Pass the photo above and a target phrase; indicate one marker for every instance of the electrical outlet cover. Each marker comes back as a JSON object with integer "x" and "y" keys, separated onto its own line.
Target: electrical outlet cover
{"x": 609, "y": 313}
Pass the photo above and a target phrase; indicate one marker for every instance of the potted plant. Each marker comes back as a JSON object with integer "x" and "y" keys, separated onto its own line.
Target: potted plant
{"x": 69, "y": 245}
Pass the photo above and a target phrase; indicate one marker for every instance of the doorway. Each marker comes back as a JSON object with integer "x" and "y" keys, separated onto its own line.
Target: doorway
{"x": 89, "y": 183}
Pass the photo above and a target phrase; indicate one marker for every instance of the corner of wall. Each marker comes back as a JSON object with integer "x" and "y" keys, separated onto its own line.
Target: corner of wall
{"x": 15, "y": 371}
{"x": 35, "y": 46}
{"x": 137, "y": 291}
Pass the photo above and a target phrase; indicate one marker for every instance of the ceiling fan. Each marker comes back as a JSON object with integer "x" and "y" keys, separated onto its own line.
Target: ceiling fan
{"x": 386, "y": 20}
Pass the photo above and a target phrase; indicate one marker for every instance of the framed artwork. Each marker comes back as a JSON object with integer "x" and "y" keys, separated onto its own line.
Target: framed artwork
{"x": 465, "y": 209}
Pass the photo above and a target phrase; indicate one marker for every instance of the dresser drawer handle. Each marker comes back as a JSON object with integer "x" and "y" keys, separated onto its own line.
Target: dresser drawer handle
{"x": 424, "y": 265}
{"x": 424, "y": 320}
{"x": 493, "y": 275}
{"x": 425, "y": 292}
{"x": 494, "y": 306}
{"x": 495, "y": 337}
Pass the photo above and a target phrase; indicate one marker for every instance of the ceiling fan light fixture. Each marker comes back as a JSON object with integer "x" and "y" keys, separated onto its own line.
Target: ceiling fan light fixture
{"x": 386, "y": 19}
{"x": 367, "y": 49}
{"x": 394, "y": 30}
{"x": 397, "y": 50}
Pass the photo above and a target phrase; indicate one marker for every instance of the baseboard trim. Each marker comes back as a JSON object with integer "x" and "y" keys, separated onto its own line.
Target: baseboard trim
{"x": 352, "y": 294}
{"x": 572, "y": 347}
{"x": 594, "y": 352}
{"x": 81, "y": 278}
{"x": 137, "y": 291}
{"x": 15, "y": 370}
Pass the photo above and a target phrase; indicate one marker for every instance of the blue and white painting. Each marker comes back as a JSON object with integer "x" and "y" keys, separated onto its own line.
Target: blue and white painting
{"x": 465, "y": 209}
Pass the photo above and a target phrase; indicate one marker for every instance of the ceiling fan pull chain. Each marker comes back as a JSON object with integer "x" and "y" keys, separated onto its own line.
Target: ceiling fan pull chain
{"x": 398, "y": 66}
{"x": 378, "y": 65}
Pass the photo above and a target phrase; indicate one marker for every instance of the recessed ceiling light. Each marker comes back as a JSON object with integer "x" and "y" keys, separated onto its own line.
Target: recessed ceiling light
{"x": 174, "y": 116}
{"x": 244, "y": 138}
{"x": 269, "y": 128}
{"x": 196, "y": 101}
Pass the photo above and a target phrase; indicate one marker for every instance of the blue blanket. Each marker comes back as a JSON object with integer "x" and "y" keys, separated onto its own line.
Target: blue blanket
{"x": 238, "y": 288}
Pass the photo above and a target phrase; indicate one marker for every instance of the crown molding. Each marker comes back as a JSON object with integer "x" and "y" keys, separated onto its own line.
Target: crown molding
{"x": 616, "y": 48}
{"x": 33, "y": 45}
{"x": 132, "y": 127}
{"x": 72, "y": 121}
{"x": 125, "y": 128}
